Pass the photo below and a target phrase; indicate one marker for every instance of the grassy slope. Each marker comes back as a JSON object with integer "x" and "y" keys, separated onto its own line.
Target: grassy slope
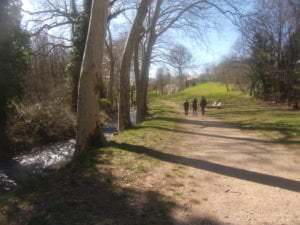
{"x": 247, "y": 112}
{"x": 103, "y": 187}
{"x": 106, "y": 186}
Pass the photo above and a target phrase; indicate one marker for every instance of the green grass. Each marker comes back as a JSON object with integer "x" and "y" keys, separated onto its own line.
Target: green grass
{"x": 240, "y": 109}
{"x": 213, "y": 92}
{"x": 104, "y": 186}
{"x": 100, "y": 187}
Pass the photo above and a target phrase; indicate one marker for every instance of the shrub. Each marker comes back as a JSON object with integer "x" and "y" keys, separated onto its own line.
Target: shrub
{"x": 106, "y": 111}
{"x": 40, "y": 123}
{"x": 105, "y": 105}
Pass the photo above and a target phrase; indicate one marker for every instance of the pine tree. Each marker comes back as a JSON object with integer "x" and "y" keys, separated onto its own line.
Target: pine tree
{"x": 14, "y": 56}
{"x": 79, "y": 38}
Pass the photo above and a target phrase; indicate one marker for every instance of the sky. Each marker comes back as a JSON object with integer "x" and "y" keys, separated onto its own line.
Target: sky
{"x": 217, "y": 44}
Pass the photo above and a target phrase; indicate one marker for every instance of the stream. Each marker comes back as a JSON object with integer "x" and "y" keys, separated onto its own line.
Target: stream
{"x": 43, "y": 159}
{"x": 38, "y": 161}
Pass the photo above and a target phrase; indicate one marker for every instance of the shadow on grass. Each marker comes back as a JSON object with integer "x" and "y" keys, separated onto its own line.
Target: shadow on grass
{"x": 260, "y": 178}
{"x": 202, "y": 221}
{"x": 156, "y": 113}
{"x": 197, "y": 122}
{"x": 82, "y": 194}
{"x": 252, "y": 119}
{"x": 286, "y": 131}
{"x": 281, "y": 141}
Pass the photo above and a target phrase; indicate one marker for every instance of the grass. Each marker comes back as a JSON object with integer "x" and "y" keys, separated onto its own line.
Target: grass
{"x": 240, "y": 109}
{"x": 104, "y": 186}
{"x": 107, "y": 186}
{"x": 213, "y": 92}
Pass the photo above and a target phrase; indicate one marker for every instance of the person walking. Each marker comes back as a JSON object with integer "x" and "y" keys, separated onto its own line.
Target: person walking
{"x": 186, "y": 106}
{"x": 195, "y": 107}
{"x": 203, "y": 104}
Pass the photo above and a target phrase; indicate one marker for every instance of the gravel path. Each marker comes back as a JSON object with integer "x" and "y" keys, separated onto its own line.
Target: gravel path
{"x": 232, "y": 176}
{"x": 215, "y": 173}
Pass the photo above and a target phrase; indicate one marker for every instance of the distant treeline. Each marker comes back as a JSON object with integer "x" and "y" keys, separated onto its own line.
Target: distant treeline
{"x": 268, "y": 61}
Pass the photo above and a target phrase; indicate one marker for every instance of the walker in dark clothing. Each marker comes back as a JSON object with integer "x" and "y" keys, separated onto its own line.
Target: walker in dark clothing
{"x": 195, "y": 107}
{"x": 186, "y": 107}
{"x": 203, "y": 104}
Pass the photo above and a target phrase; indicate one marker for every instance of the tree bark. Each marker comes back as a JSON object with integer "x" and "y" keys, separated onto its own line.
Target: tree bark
{"x": 112, "y": 69}
{"x": 138, "y": 81}
{"x": 111, "y": 83}
{"x": 137, "y": 73}
{"x": 142, "y": 108}
{"x": 79, "y": 33}
{"x": 88, "y": 132}
{"x": 142, "y": 90}
{"x": 124, "y": 98}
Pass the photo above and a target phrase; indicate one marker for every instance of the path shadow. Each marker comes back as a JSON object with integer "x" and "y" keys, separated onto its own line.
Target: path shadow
{"x": 202, "y": 123}
{"x": 203, "y": 221}
{"x": 82, "y": 194}
{"x": 286, "y": 131}
{"x": 260, "y": 178}
{"x": 222, "y": 136}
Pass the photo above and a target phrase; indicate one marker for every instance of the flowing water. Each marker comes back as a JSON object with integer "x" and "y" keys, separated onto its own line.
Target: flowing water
{"x": 38, "y": 161}
{"x": 43, "y": 159}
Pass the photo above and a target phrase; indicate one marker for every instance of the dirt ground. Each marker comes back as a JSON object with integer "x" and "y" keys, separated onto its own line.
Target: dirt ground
{"x": 196, "y": 171}
{"x": 219, "y": 174}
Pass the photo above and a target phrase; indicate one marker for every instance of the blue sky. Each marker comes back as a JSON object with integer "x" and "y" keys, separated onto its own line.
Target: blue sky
{"x": 216, "y": 45}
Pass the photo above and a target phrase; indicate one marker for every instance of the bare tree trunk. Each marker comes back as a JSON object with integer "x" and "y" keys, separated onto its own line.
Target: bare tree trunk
{"x": 137, "y": 72}
{"x": 134, "y": 36}
{"x": 111, "y": 82}
{"x": 145, "y": 96}
{"x": 142, "y": 90}
{"x": 181, "y": 78}
{"x": 88, "y": 132}
{"x": 79, "y": 33}
{"x": 112, "y": 69}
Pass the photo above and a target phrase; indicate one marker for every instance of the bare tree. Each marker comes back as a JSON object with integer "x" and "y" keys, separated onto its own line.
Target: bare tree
{"x": 134, "y": 36}
{"x": 163, "y": 78}
{"x": 233, "y": 71}
{"x": 113, "y": 58}
{"x": 192, "y": 16}
{"x": 88, "y": 132}
{"x": 112, "y": 62}
{"x": 271, "y": 35}
{"x": 179, "y": 58}
{"x": 142, "y": 74}
{"x": 47, "y": 70}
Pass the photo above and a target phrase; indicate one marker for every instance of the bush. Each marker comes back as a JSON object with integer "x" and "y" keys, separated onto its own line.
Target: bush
{"x": 105, "y": 105}
{"x": 106, "y": 111}
{"x": 40, "y": 123}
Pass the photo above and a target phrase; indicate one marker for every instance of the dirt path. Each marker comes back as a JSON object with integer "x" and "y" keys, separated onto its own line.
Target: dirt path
{"x": 200, "y": 172}
{"x": 219, "y": 174}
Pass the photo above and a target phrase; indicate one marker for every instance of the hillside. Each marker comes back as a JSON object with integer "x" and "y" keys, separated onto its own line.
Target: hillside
{"x": 173, "y": 170}
{"x": 277, "y": 122}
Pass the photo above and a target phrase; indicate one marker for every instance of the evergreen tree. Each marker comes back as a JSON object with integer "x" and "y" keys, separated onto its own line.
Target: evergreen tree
{"x": 261, "y": 61}
{"x": 79, "y": 38}
{"x": 14, "y": 49}
{"x": 292, "y": 57}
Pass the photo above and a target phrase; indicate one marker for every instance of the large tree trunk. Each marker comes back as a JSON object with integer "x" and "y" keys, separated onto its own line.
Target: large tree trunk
{"x": 138, "y": 83}
{"x": 79, "y": 33}
{"x": 142, "y": 90}
{"x": 111, "y": 83}
{"x": 112, "y": 69}
{"x": 134, "y": 36}
{"x": 88, "y": 132}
